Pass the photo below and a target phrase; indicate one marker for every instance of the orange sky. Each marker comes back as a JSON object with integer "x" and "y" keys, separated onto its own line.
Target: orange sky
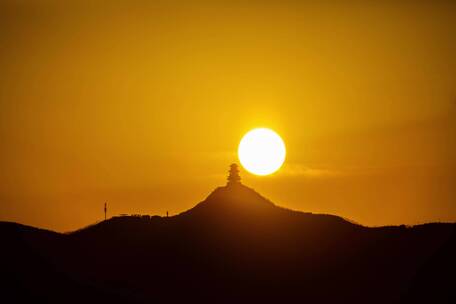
{"x": 143, "y": 105}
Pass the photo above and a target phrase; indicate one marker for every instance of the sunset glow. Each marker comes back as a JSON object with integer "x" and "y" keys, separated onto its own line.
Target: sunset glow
{"x": 142, "y": 104}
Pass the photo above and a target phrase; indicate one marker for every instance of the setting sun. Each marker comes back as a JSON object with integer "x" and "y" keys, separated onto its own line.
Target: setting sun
{"x": 261, "y": 151}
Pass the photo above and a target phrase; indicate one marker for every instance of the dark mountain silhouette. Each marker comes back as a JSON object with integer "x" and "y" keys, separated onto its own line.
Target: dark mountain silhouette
{"x": 234, "y": 247}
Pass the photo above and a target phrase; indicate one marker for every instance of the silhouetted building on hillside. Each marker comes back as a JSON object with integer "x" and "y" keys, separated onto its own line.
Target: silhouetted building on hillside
{"x": 233, "y": 176}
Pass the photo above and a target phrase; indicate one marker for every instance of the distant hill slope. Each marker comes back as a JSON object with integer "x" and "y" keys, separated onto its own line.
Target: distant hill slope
{"x": 234, "y": 247}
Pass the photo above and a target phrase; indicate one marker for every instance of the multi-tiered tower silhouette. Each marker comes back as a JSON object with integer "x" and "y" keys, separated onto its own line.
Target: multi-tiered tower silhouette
{"x": 233, "y": 177}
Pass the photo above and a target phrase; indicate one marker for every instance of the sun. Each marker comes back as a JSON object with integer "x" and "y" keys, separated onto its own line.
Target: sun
{"x": 261, "y": 151}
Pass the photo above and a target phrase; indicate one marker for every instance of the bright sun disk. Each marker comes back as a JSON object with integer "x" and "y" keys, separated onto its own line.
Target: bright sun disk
{"x": 261, "y": 151}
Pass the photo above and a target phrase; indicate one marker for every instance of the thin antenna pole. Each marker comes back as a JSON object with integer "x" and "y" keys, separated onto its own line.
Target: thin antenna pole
{"x": 105, "y": 209}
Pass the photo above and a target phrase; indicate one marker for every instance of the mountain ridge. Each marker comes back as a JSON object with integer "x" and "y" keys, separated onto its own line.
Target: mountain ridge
{"x": 234, "y": 246}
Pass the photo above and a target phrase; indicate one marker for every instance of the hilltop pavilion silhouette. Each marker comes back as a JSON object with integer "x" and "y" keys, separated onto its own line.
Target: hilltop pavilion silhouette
{"x": 233, "y": 176}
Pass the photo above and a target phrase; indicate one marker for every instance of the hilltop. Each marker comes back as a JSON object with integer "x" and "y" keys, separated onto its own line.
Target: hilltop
{"x": 234, "y": 247}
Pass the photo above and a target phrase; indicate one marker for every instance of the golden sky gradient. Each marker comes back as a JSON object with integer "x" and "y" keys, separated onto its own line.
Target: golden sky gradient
{"x": 142, "y": 104}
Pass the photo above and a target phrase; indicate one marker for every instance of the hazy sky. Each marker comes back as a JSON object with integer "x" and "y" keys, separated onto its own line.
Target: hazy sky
{"x": 142, "y": 104}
